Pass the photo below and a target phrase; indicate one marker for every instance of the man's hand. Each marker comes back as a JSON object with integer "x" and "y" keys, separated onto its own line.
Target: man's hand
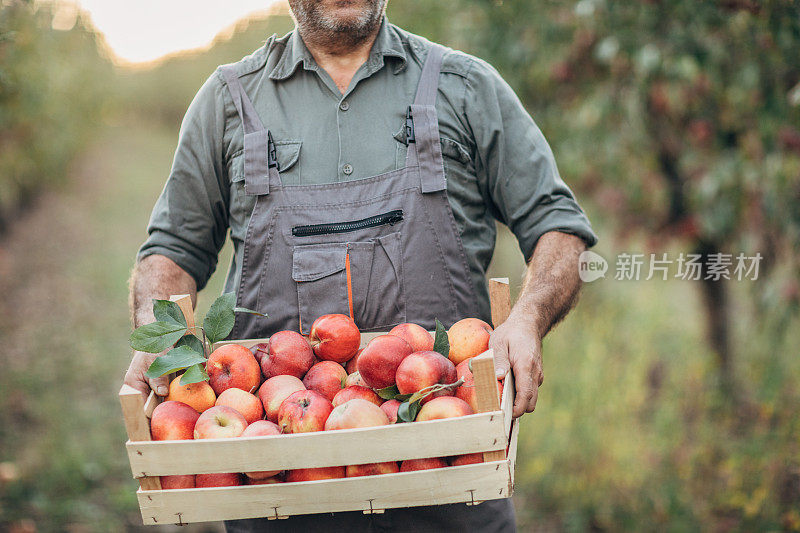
{"x": 518, "y": 345}
{"x": 135, "y": 376}
{"x": 155, "y": 276}
{"x": 550, "y": 289}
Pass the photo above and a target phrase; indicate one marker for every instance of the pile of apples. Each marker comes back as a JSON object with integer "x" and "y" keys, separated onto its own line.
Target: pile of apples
{"x": 323, "y": 382}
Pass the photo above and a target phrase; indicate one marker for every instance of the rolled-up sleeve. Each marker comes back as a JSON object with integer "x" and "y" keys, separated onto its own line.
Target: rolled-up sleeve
{"x": 515, "y": 165}
{"x": 190, "y": 219}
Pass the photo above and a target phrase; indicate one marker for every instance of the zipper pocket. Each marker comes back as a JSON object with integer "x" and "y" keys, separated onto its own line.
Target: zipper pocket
{"x": 392, "y": 217}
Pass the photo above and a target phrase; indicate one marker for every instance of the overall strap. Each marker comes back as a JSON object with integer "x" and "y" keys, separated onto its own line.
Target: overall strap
{"x": 424, "y": 149}
{"x": 260, "y": 158}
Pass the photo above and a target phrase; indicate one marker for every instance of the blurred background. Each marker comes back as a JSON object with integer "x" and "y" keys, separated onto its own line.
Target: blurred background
{"x": 667, "y": 405}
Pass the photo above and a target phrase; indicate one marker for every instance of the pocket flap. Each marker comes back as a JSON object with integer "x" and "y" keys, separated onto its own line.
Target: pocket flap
{"x": 315, "y": 261}
{"x": 288, "y": 153}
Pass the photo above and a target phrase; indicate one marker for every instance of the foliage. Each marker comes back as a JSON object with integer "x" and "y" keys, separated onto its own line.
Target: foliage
{"x": 673, "y": 120}
{"x": 189, "y": 352}
{"x": 53, "y": 87}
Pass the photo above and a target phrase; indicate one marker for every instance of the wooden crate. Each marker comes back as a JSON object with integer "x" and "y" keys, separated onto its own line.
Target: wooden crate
{"x": 491, "y": 431}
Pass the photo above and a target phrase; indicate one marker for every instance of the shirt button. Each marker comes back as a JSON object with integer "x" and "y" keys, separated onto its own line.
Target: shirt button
{"x": 345, "y": 105}
{"x": 347, "y": 169}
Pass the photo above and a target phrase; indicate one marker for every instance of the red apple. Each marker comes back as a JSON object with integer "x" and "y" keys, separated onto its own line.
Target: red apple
{"x": 218, "y": 480}
{"x": 256, "y": 429}
{"x": 274, "y": 391}
{"x": 219, "y": 422}
{"x": 350, "y": 366}
{"x": 466, "y": 391}
{"x": 415, "y": 335}
{"x": 444, "y": 407}
{"x": 313, "y": 474}
{"x": 335, "y": 338}
{"x": 423, "y": 369}
{"x": 356, "y": 413}
{"x": 410, "y": 465}
{"x": 356, "y": 391}
{"x": 304, "y": 411}
{"x": 354, "y": 379}
{"x": 468, "y": 337}
{"x": 326, "y": 378}
{"x": 372, "y": 469}
{"x": 390, "y": 407}
{"x": 247, "y": 404}
{"x": 260, "y": 350}
{"x": 173, "y": 420}
{"x": 289, "y": 354}
{"x": 231, "y": 366}
{"x": 267, "y": 481}
{"x": 178, "y": 482}
{"x": 466, "y": 459}
{"x": 378, "y": 363}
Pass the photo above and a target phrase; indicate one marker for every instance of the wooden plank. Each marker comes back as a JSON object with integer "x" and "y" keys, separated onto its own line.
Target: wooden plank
{"x": 507, "y": 401}
{"x": 249, "y": 343}
{"x": 500, "y": 298}
{"x": 484, "y": 481}
{"x": 486, "y": 394}
{"x": 435, "y": 438}
{"x": 152, "y": 402}
{"x": 137, "y": 425}
{"x": 184, "y": 301}
{"x": 512, "y": 454}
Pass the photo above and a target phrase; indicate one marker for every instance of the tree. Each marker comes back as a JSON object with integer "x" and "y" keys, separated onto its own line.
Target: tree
{"x": 679, "y": 119}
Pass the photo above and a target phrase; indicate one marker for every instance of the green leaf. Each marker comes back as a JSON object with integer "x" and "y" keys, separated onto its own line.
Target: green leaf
{"x": 250, "y": 311}
{"x": 193, "y": 342}
{"x": 194, "y": 374}
{"x": 220, "y": 318}
{"x": 173, "y": 361}
{"x": 407, "y": 412}
{"x": 441, "y": 343}
{"x": 388, "y": 393}
{"x": 167, "y": 311}
{"x": 156, "y": 337}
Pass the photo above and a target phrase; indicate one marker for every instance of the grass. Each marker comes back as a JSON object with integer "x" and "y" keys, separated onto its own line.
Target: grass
{"x": 629, "y": 433}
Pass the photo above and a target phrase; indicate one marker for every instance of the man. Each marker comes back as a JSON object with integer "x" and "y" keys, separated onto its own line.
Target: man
{"x": 360, "y": 170}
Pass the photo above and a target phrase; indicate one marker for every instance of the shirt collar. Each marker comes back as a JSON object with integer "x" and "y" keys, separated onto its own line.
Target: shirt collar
{"x": 387, "y": 43}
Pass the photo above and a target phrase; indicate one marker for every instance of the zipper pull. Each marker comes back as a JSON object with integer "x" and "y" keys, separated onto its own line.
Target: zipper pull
{"x": 410, "y": 127}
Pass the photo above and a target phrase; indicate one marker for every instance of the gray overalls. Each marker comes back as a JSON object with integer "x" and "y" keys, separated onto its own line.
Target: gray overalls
{"x": 383, "y": 250}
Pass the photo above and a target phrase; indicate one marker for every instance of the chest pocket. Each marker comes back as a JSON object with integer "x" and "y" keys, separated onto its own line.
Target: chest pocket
{"x": 240, "y": 204}
{"x": 452, "y": 152}
{"x": 363, "y": 276}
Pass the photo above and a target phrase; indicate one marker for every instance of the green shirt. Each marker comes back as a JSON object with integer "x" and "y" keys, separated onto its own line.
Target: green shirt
{"x": 497, "y": 162}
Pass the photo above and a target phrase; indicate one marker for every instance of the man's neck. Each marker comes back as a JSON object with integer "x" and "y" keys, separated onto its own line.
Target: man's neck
{"x": 340, "y": 61}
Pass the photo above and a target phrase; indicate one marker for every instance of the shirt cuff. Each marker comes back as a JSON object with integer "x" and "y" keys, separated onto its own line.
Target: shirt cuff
{"x": 564, "y": 220}
{"x": 196, "y": 265}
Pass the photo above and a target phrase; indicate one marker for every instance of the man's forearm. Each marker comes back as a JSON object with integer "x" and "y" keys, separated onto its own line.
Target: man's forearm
{"x": 551, "y": 283}
{"x": 158, "y": 277}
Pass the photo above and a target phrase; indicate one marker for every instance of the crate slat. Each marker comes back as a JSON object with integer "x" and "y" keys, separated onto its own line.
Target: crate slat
{"x": 507, "y": 401}
{"x": 137, "y": 425}
{"x": 479, "y": 482}
{"x": 437, "y": 438}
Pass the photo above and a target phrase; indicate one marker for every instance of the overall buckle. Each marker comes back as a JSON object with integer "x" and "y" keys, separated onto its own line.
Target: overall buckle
{"x": 410, "y": 127}
{"x": 272, "y": 153}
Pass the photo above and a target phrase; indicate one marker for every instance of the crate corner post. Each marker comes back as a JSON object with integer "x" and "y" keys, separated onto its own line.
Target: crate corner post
{"x": 137, "y": 426}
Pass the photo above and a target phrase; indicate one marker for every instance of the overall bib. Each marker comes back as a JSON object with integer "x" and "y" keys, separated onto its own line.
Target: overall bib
{"x": 383, "y": 250}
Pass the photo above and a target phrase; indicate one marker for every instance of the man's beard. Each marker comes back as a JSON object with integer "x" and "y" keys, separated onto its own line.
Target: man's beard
{"x": 320, "y": 26}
